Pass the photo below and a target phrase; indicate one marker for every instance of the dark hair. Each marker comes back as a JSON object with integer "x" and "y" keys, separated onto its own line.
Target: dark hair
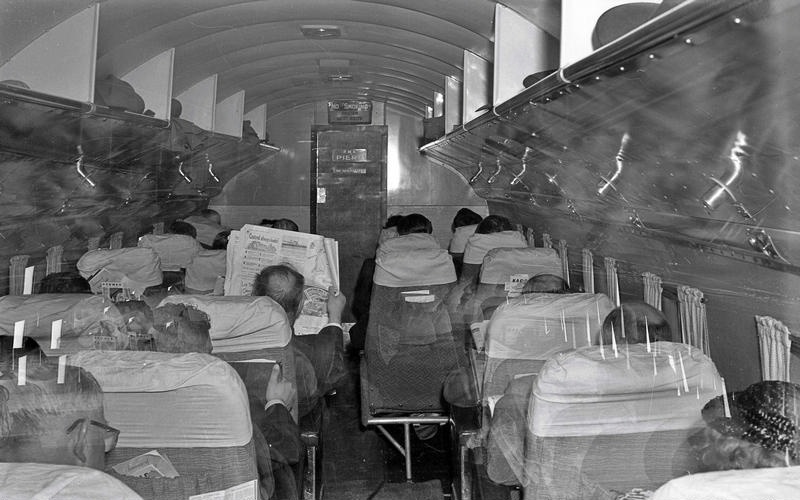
{"x": 220, "y": 241}
{"x": 282, "y": 284}
{"x": 640, "y": 318}
{"x": 393, "y": 221}
{"x": 285, "y": 224}
{"x": 465, "y": 217}
{"x": 494, "y": 224}
{"x": 267, "y": 222}
{"x": 414, "y": 223}
{"x": 181, "y": 329}
{"x": 181, "y": 227}
{"x": 131, "y": 308}
{"x": 64, "y": 282}
{"x": 546, "y": 283}
{"x": 208, "y": 213}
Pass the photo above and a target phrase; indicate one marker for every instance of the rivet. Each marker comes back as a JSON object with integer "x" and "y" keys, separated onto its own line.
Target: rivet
{"x": 787, "y": 208}
{"x": 622, "y": 68}
{"x": 685, "y": 187}
{"x": 771, "y": 191}
{"x": 666, "y": 197}
{"x": 687, "y": 41}
{"x": 737, "y": 20}
{"x": 754, "y": 174}
{"x": 597, "y": 77}
{"x": 672, "y": 174}
{"x": 652, "y": 57}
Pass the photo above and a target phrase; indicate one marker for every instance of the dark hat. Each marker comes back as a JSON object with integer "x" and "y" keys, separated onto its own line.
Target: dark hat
{"x": 766, "y": 413}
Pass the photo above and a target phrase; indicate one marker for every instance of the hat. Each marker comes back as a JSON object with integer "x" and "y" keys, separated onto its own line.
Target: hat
{"x": 766, "y": 413}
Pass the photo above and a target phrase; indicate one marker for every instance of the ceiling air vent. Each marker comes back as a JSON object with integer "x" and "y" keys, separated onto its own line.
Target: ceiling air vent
{"x": 321, "y": 31}
{"x": 340, "y": 77}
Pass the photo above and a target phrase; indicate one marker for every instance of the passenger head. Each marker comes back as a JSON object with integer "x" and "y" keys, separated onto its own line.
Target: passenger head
{"x": 414, "y": 223}
{"x": 181, "y": 227}
{"x": 640, "y": 318}
{"x": 137, "y": 317}
{"x": 282, "y": 284}
{"x": 465, "y": 217}
{"x": 763, "y": 429}
{"x": 546, "y": 283}
{"x": 176, "y": 108}
{"x": 53, "y": 421}
{"x": 392, "y": 221}
{"x": 285, "y": 224}
{"x": 65, "y": 282}
{"x": 221, "y": 241}
{"x": 266, "y": 222}
{"x": 180, "y": 328}
{"x": 493, "y": 224}
{"x": 211, "y": 215}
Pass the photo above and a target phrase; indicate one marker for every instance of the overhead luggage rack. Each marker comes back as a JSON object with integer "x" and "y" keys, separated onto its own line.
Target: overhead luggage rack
{"x": 685, "y": 125}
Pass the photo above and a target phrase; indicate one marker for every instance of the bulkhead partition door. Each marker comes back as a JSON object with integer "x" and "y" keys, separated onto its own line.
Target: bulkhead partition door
{"x": 348, "y": 193}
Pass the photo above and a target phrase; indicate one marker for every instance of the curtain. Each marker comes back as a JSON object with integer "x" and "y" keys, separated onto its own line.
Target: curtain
{"x": 588, "y": 271}
{"x": 54, "y": 255}
{"x": 547, "y": 242}
{"x": 93, "y": 243}
{"x": 562, "y": 252}
{"x": 694, "y": 326}
{"x": 115, "y": 241}
{"x": 652, "y": 289}
{"x": 612, "y": 281}
{"x": 775, "y": 345}
{"x": 530, "y": 237}
{"x": 16, "y": 274}
{"x": 158, "y": 228}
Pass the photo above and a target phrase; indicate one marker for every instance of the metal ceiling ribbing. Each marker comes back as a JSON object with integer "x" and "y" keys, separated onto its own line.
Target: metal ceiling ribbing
{"x": 398, "y": 51}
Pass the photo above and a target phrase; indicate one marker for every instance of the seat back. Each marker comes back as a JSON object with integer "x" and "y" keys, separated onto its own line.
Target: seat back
{"x": 740, "y": 484}
{"x": 192, "y": 408}
{"x": 505, "y": 271}
{"x": 175, "y": 251}
{"x": 206, "y": 229}
{"x": 409, "y": 344}
{"x": 600, "y": 422}
{"x": 204, "y": 270}
{"x": 246, "y": 328}
{"x": 133, "y": 268}
{"x": 81, "y": 320}
{"x": 528, "y": 330}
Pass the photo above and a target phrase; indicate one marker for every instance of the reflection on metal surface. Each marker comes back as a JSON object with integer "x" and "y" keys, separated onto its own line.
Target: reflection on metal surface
{"x": 714, "y": 196}
{"x": 762, "y": 242}
{"x": 79, "y": 167}
{"x": 620, "y": 159}
{"x": 516, "y": 180}
{"x": 478, "y": 173}
{"x": 210, "y": 168}
{"x": 496, "y": 172}
{"x": 181, "y": 172}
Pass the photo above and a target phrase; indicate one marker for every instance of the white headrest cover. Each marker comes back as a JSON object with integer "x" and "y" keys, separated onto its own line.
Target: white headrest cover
{"x": 206, "y": 229}
{"x": 387, "y": 234}
{"x": 176, "y": 251}
{"x": 413, "y": 260}
{"x": 160, "y": 399}
{"x": 26, "y": 481}
{"x": 460, "y": 236}
{"x": 500, "y": 263}
{"x": 240, "y": 323}
{"x": 80, "y": 313}
{"x": 531, "y": 326}
{"x": 136, "y": 268}
{"x": 479, "y": 244}
{"x": 579, "y": 393}
{"x": 740, "y": 484}
{"x": 206, "y": 266}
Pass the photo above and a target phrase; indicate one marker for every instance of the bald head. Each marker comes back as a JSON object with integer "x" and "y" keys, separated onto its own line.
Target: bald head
{"x": 282, "y": 284}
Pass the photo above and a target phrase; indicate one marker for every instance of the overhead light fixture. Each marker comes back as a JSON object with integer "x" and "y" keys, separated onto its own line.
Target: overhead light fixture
{"x": 339, "y": 77}
{"x": 321, "y": 31}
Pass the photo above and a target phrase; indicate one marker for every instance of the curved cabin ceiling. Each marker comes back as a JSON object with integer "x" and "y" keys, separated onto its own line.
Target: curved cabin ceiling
{"x": 393, "y": 51}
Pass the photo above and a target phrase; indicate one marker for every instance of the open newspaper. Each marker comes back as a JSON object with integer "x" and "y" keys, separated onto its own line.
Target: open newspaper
{"x": 253, "y": 248}
{"x": 245, "y": 491}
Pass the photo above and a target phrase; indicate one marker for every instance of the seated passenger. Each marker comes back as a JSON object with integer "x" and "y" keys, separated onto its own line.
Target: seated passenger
{"x": 182, "y": 227}
{"x": 207, "y": 225}
{"x": 763, "y": 431}
{"x": 322, "y": 353}
{"x": 211, "y": 215}
{"x": 546, "y": 283}
{"x": 464, "y": 224}
{"x": 47, "y": 420}
{"x": 642, "y": 323}
{"x": 64, "y": 282}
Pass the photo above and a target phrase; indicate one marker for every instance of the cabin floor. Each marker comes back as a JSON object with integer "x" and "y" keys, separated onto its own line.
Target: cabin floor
{"x": 360, "y": 464}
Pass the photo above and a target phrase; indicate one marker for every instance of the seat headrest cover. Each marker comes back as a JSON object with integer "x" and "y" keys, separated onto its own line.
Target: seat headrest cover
{"x": 591, "y": 391}
{"x": 746, "y": 484}
{"x": 413, "y": 260}
{"x": 536, "y": 326}
{"x": 479, "y": 244}
{"x": 206, "y": 266}
{"x": 500, "y": 263}
{"x": 80, "y": 313}
{"x": 64, "y": 482}
{"x": 176, "y": 251}
{"x": 206, "y": 229}
{"x": 240, "y": 322}
{"x": 136, "y": 268}
{"x": 161, "y": 399}
{"x": 460, "y": 236}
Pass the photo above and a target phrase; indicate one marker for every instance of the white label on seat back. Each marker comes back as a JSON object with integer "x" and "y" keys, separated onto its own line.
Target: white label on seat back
{"x": 516, "y": 282}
